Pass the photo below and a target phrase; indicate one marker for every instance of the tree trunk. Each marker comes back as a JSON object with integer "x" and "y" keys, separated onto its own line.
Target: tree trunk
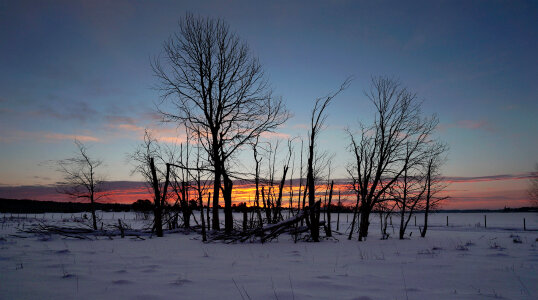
{"x": 339, "y": 208}
{"x": 428, "y": 196}
{"x": 92, "y": 207}
{"x": 328, "y": 208}
{"x": 157, "y": 210}
{"x": 204, "y": 237}
{"x": 207, "y": 212}
{"x": 227, "y": 195}
{"x": 364, "y": 223}
{"x": 278, "y": 216}
{"x": 314, "y": 220}
{"x": 355, "y": 213}
{"x": 402, "y": 225}
{"x": 266, "y": 207}
{"x": 185, "y": 207}
{"x": 215, "y": 221}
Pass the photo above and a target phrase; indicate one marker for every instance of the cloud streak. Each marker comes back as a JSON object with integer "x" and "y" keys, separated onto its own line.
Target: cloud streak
{"x": 61, "y": 136}
{"x": 470, "y": 124}
{"x": 521, "y": 176}
{"x": 18, "y": 135}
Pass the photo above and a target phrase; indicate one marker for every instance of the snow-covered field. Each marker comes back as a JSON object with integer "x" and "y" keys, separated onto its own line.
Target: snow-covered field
{"x": 461, "y": 261}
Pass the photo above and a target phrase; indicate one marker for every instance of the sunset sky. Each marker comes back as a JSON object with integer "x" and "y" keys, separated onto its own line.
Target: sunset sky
{"x": 81, "y": 69}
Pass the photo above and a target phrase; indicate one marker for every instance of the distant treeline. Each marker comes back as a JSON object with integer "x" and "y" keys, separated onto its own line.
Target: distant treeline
{"x": 34, "y": 206}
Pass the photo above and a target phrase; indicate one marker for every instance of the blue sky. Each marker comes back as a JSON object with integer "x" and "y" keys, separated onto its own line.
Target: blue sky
{"x": 82, "y": 68}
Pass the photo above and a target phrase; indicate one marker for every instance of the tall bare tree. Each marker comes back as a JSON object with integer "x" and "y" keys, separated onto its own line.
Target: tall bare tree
{"x": 381, "y": 149}
{"x": 317, "y": 121}
{"x": 217, "y": 89}
{"x": 80, "y": 179}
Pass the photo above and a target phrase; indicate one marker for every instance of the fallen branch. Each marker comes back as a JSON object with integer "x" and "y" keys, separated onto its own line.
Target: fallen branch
{"x": 264, "y": 234}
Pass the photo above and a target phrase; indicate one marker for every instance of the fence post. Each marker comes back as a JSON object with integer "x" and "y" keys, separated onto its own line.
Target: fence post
{"x": 485, "y": 222}
{"x": 447, "y": 221}
{"x": 524, "y": 225}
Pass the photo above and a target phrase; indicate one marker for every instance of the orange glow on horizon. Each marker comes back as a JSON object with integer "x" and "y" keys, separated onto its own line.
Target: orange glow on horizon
{"x": 470, "y": 194}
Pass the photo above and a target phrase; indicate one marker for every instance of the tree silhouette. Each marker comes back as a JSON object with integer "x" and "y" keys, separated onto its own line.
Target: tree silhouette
{"x": 80, "y": 179}
{"x": 398, "y": 134}
{"x": 216, "y": 89}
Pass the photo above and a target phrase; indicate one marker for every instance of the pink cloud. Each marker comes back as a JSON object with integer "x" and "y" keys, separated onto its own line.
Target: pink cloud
{"x": 61, "y": 136}
{"x": 279, "y": 135}
{"x": 163, "y": 134}
{"x": 469, "y": 124}
{"x": 18, "y": 135}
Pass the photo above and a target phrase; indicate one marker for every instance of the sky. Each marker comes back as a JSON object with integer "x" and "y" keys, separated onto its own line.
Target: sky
{"x": 81, "y": 69}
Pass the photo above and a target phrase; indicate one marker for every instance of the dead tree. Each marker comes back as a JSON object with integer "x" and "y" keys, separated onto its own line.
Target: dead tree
{"x": 408, "y": 191}
{"x": 80, "y": 179}
{"x": 277, "y": 216}
{"x": 257, "y": 160}
{"x": 219, "y": 92}
{"x": 380, "y": 150}
{"x": 157, "y": 180}
{"x": 434, "y": 184}
{"x": 317, "y": 121}
{"x": 159, "y": 196}
{"x": 272, "y": 150}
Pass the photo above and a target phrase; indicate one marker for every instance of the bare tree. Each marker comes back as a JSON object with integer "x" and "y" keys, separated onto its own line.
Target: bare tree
{"x": 380, "y": 152}
{"x": 157, "y": 180}
{"x": 408, "y": 191}
{"x": 257, "y": 160}
{"x": 433, "y": 182}
{"x": 217, "y": 90}
{"x": 278, "y": 207}
{"x": 80, "y": 180}
{"x": 317, "y": 122}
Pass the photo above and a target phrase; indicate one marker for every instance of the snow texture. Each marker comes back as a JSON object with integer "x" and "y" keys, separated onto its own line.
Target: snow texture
{"x": 461, "y": 261}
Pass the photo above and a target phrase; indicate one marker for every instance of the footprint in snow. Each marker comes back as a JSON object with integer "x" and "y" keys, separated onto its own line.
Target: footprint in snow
{"x": 180, "y": 282}
{"x": 121, "y": 282}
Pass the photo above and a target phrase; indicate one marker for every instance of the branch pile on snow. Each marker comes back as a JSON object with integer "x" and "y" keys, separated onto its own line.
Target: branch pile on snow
{"x": 84, "y": 233}
{"x": 266, "y": 233}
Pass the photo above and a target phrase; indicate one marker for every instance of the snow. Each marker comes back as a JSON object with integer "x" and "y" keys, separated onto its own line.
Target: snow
{"x": 462, "y": 261}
